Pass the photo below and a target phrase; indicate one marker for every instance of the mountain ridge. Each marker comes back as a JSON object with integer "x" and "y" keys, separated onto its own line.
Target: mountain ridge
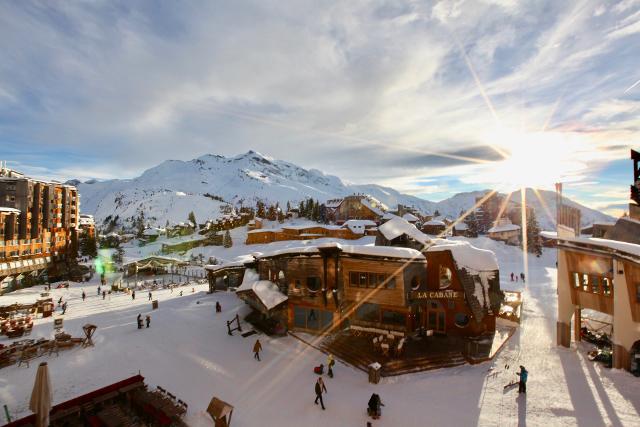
{"x": 211, "y": 185}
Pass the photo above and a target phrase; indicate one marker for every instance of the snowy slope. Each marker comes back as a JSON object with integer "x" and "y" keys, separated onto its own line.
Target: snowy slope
{"x": 169, "y": 191}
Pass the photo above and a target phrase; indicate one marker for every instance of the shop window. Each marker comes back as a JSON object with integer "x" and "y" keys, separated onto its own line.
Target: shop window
{"x": 313, "y": 284}
{"x": 461, "y": 320}
{"x": 391, "y": 283}
{"x": 576, "y": 280}
{"x": 445, "y": 277}
{"x": 313, "y": 319}
{"x": 393, "y": 318}
{"x": 368, "y": 312}
{"x": 354, "y": 279}
{"x": 606, "y": 286}
{"x": 585, "y": 282}
{"x": 595, "y": 284}
{"x": 415, "y": 283}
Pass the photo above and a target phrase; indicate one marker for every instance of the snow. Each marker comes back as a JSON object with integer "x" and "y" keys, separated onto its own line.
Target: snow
{"x": 504, "y": 225}
{"x": 435, "y": 222}
{"x": 466, "y": 255}
{"x": 265, "y": 290}
{"x": 397, "y": 226}
{"x": 187, "y": 351}
{"x": 627, "y": 248}
{"x": 359, "y": 226}
{"x": 9, "y": 210}
{"x": 410, "y": 217}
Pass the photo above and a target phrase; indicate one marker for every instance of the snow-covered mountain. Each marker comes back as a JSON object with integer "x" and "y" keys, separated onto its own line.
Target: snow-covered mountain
{"x": 211, "y": 185}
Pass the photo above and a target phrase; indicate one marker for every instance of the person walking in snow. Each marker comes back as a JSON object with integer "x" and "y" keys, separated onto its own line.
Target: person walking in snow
{"x": 180, "y": 293}
{"x": 64, "y": 307}
{"x": 512, "y": 276}
{"x": 148, "y": 320}
{"x": 139, "y": 319}
{"x": 320, "y": 387}
{"x": 83, "y": 295}
{"x": 218, "y": 307}
{"x": 104, "y": 294}
{"x": 257, "y": 348}
{"x": 330, "y": 363}
{"x": 374, "y": 408}
{"x": 522, "y": 384}
{"x": 133, "y": 294}
{"x": 98, "y": 290}
{"x": 149, "y": 295}
{"x": 60, "y": 301}
{"x": 522, "y": 277}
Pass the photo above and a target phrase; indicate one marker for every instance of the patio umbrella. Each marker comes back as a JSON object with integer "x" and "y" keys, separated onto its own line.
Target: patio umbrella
{"x": 40, "y": 402}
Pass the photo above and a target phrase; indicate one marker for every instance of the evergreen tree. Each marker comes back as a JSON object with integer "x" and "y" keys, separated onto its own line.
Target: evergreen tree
{"x": 139, "y": 225}
{"x": 288, "y": 206}
{"x": 88, "y": 246}
{"x": 301, "y": 209}
{"x": 226, "y": 240}
{"x": 472, "y": 224}
{"x": 533, "y": 234}
{"x": 260, "y": 209}
{"x": 271, "y": 213}
{"x": 436, "y": 213}
{"x": 315, "y": 215}
{"x": 192, "y": 218}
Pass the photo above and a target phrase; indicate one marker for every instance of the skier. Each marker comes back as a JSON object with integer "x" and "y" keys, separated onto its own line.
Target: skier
{"x": 320, "y": 387}
{"x": 330, "y": 364}
{"x": 139, "y": 319}
{"x": 149, "y": 295}
{"x": 522, "y": 384}
{"x": 257, "y": 347}
{"x": 374, "y": 409}
{"x": 218, "y": 307}
{"x": 83, "y": 295}
{"x": 148, "y": 320}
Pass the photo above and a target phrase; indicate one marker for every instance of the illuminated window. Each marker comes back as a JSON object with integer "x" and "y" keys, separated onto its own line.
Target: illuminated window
{"x": 585, "y": 282}
{"x": 445, "y": 277}
{"x": 576, "y": 280}
{"x": 595, "y": 284}
{"x": 606, "y": 286}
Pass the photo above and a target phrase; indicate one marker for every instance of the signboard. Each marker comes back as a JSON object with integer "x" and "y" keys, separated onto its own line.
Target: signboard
{"x": 448, "y": 294}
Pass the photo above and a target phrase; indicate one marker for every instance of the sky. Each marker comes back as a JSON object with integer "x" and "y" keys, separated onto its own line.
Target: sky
{"x": 431, "y": 98}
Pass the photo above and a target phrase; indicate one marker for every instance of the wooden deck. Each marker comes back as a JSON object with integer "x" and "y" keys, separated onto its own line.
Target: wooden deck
{"x": 420, "y": 355}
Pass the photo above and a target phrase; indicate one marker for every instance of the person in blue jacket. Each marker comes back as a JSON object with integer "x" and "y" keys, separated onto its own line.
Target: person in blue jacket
{"x": 522, "y": 385}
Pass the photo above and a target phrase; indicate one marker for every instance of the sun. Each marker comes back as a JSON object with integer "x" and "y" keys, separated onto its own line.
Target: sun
{"x": 534, "y": 160}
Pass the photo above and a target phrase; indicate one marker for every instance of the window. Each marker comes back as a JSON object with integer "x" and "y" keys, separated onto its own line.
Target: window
{"x": 313, "y": 284}
{"x": 585, "y": 282}
{"x": 368, "y": 312}
{"x": 415, "y": 283}
{"x": 461, "y": 320}
{"x": 606, "y": 286}
{"x": 576, "y": 280}
{"x": 595, "y": 284}
{"x": 445, "y": 277}
{"x": 359, "y": 279}
{"x": 393, "y": 318}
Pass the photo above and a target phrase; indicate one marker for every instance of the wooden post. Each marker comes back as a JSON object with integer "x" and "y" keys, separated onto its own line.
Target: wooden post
{"x": 577, "y": 323}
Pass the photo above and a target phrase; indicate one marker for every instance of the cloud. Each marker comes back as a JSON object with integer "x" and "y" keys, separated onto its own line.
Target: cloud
{"x": 407, "y": 91}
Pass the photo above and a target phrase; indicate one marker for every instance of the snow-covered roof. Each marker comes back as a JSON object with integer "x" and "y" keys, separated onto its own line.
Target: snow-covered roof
{"x": 379, "y": 251}
{"x": 461, "y": 226}
{"x": 410, "y": 217}
{"x": 9, "y": 210}
{"x": 333, "y": 203}
{"x": 615, "y": 245}
{"x": 466, "y": 255}
{"x": 397, "y": 226}
{"x": 389, "y": 215}
{"x": 374, "y": 205}
{"x": 266, "y": 291}
{"x": 359, "y": 225}
{"x": 435, "y": 222}
{"x": 504, "y": 227}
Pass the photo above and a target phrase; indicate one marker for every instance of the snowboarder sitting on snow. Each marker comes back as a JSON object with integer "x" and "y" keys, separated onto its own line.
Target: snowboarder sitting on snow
{"x": 319, "y": 369}
{"x": 139, "y": 321}
{"x": 522, "y": 385}
{"x": 374, "y": 408}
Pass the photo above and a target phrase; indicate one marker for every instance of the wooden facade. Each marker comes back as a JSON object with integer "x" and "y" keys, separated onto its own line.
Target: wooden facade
{"x": 311, "y": 232}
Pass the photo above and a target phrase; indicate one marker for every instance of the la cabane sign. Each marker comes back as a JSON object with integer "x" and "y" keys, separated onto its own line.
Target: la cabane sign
{"x": 449, "y": 294}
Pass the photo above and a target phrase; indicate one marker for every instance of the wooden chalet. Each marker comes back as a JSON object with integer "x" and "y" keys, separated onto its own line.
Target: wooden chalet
{"x": 357, "y": 206}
